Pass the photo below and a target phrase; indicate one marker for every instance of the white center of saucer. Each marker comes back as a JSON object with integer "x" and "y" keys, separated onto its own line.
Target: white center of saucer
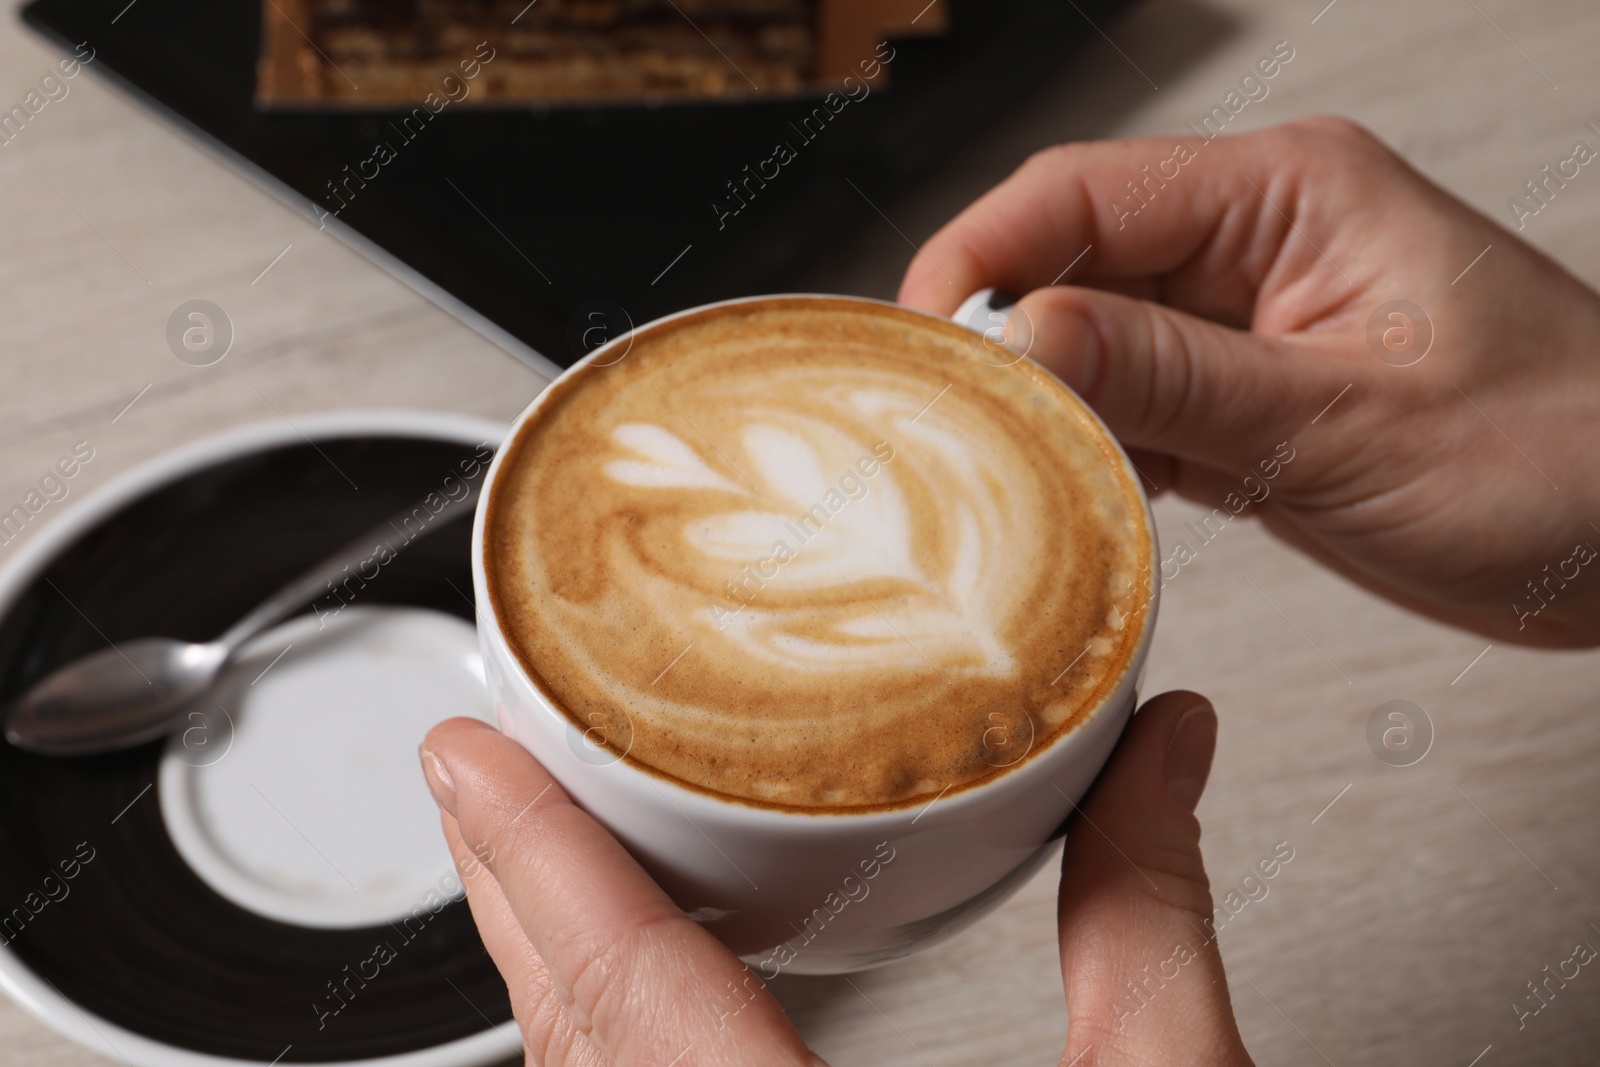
{"x": 295, "y": 791}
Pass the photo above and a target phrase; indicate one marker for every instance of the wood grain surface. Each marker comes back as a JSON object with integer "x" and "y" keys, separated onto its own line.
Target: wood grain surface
{"x": 1418, "y": 903}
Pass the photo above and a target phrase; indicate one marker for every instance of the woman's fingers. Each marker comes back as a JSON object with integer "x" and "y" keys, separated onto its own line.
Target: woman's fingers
{"x": 643, "y": 982}
{"x": 1139, "y": 958}
{"x": 1170, "y": 383}
{"x": 548, "y": 1033}
{"x": 1213, "y": 221}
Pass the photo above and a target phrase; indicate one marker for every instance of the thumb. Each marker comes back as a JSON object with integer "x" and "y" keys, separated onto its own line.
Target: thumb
{"x": 1169, "y": 382}
{"x": 1139, "y": 959}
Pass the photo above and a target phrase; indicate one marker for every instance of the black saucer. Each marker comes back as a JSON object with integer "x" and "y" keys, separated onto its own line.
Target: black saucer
{"x": 135, "y": 937}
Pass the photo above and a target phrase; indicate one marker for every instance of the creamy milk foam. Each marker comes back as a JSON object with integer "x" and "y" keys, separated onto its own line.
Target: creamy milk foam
{"x": 818, "y": 554}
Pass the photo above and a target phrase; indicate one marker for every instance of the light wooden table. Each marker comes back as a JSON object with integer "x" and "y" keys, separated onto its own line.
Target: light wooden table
{"x": 1417, "y": 906}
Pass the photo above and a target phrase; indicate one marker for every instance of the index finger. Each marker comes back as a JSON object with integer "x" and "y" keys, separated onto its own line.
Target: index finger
{"x": 638, "y": 976}
{"x": 1211, "y": 216}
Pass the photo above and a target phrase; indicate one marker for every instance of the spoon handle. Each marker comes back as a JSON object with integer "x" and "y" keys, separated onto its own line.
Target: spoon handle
{"x": 392, "y": 534}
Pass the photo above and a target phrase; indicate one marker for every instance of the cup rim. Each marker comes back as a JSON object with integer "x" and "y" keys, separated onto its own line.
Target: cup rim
{"x": 18, "y": 981}
{"x": 709, "y": 803}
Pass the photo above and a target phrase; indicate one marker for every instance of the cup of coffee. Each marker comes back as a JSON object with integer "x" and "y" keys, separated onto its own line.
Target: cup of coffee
{"x": 829, "y": 610}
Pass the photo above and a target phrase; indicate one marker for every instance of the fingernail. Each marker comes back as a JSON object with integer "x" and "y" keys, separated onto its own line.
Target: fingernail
{"x": 439, "y": 781}
{"x": 1189, "y": 753}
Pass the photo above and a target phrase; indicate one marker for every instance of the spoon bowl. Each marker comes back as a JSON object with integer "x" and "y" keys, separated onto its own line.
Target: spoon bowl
{"x": 137, "y": 689}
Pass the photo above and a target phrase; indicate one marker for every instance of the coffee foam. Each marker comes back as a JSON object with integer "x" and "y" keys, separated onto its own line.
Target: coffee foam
{"x": 818, "y": 554}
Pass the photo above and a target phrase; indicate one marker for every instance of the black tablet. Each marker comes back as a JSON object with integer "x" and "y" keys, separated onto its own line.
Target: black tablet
{"x": 551, "y": 227}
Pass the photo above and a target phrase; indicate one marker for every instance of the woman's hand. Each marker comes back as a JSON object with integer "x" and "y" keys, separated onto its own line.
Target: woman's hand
{"x": 603, "y": 969}
{"x": 1233, "y": 305}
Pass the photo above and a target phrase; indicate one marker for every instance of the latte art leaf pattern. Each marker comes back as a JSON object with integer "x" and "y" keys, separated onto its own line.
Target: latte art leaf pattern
{"x": 799, "y": 546}
{"x": 809, "y": 556}
{"x": 663, "y": 461}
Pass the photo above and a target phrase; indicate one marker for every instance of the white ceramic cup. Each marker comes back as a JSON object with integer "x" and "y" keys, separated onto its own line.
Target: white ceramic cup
{"x": 812, "y": 893}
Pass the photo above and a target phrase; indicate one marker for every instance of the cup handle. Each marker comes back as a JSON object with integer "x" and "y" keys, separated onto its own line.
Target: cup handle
{"x": 985, "y": 310}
